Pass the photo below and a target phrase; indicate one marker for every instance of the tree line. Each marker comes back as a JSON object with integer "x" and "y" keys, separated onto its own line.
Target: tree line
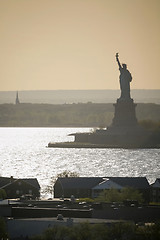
{"x": 86, "y": 231}
{"x": 114, "y": 231}
{"x": 69, "y": 115}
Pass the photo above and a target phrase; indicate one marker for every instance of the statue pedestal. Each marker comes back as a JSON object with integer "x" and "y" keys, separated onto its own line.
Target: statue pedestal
{"x": 125, "y": 130}
{"x": 124, "y": 114}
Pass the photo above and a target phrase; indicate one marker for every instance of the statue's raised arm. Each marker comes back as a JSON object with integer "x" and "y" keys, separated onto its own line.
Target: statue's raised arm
{"x": 118, "y": 60}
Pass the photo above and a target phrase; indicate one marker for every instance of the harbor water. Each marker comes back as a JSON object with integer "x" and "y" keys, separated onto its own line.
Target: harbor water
{"x": 24, "y": 154}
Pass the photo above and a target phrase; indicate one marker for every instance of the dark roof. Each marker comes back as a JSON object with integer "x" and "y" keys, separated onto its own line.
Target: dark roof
{"x": 79, "y": 182}
{"x": 135, "y": 182}
{"x": 157, "y": 181}
{"x": 90, "y": 182}
{"x": 4, "y": 181}
{"x": 32, "y": 181}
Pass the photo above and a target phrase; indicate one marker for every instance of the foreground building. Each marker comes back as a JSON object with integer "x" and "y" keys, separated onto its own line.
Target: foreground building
{"x": 91, "y": 187}
{"x": 80, "y": 187}
{"x": 16, "y": 188}
{"x": 155, "y": 191}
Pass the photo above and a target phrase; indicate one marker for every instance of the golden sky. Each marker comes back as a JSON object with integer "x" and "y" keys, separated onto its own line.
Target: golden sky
{"x": 71, "y": 44}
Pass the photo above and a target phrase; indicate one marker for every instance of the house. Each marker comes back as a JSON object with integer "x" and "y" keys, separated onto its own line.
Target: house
{"x": 139, "y": 183}
{"x": 155, "y": 191}
{"x": 15, "y": 188}
{"x": 80, "y": 187}
{"x": 90, "y": 187}
{"x": 105, "y": 185}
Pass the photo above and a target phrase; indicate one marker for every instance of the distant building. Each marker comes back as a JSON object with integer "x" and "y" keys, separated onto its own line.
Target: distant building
{"x": 91, "y": 187}
{"x": 16, "y": 188}
{"x": 17, "y": 99}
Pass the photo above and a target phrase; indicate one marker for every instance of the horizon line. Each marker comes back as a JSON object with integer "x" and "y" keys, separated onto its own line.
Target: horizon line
{"x": 144, "y": 89}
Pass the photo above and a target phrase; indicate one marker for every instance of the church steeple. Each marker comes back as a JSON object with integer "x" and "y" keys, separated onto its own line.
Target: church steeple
{"x": 17, "y": 99}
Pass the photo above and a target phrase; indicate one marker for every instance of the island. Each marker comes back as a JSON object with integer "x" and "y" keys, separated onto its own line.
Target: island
{"x": 124, "y": 131}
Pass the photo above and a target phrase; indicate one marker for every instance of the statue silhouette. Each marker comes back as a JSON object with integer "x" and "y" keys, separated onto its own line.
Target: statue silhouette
{"x": 125, "y": 79}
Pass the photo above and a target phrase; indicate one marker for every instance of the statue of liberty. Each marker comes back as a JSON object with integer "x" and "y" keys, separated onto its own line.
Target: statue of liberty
{"x": 125, "y": 79}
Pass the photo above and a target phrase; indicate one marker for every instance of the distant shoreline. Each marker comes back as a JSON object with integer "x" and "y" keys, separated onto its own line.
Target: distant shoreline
{"x": 78, "y": 115}
{"x": 78, "y": 96}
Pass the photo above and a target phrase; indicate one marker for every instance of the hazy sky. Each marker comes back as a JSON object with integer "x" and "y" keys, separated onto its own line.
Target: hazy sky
{"x": 71, "y": 44}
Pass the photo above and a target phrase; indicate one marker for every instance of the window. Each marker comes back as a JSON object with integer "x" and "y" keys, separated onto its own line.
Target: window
{"x": 30, "y": 191}
{"x": 17, "y": 192}
{"x": 19, "y": 183}
{"x": 154, "y": 192}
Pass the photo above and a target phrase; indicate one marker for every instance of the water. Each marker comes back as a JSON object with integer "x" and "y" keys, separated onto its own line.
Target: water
{"x": 23, "y": 154}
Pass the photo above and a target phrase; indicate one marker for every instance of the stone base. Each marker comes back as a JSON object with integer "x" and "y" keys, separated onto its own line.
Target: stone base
{"x": 125, "y": 114}
{"x": 123, "y": 132}
{"x": 135, "y": 137}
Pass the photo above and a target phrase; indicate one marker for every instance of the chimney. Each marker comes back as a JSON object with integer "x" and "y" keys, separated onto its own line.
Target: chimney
{"x": 11, "y": 179}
